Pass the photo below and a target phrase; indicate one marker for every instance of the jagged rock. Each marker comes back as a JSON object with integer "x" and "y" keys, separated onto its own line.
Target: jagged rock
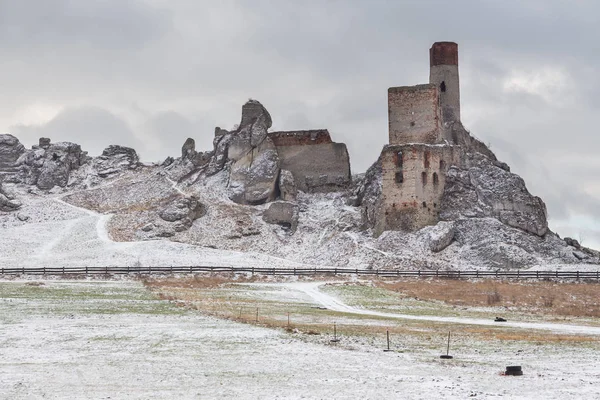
{"x": 282, "y": 213}
{"x": 580, "y": 255}
{"x": 255, "y": 122}
{"x": 168, "y": 161}
{"x": 254, "y": 158}
{"x": 115, "y": 159}
{"x": 482, "y": 189}
{"x": 188, "y": 152}
{"x": 220, "y": 152}
{"x": 50, "y": 167}
{"x": 253, "y": 177}
{"x": 440, "y": 236}
{"x": 22, "y": 217}
{"x": 287, "y": 186}
{"x": 184, "y": 211}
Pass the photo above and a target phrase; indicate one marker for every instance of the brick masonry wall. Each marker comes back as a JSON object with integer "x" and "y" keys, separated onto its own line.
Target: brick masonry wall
{"x": 413, "y": 203}
{"x": 300, "y": 138}
{"x": 414, "y": 115}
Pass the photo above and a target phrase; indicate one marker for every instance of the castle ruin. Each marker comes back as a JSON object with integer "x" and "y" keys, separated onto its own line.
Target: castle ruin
{"x": 425, "y": 138}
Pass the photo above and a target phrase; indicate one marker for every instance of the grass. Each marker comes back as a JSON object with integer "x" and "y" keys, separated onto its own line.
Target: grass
{"x": 230, "y": 297}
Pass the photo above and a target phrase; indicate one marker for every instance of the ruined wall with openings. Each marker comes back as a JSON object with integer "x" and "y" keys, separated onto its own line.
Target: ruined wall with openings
{"x": 413, "y": 179}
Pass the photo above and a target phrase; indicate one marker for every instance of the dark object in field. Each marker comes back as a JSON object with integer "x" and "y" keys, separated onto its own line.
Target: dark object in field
{"x": 514, "y": 370}
{"x": 320, "y": 308}
{"x": 499, "y": 319}
{"x": 447, "y": 356}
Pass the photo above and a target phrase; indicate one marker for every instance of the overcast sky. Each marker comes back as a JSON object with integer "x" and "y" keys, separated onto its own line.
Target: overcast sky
{"x": 148, "y": 74}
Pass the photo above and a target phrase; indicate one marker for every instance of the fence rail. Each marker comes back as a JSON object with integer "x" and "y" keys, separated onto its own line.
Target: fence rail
{"x": 448, "y": 274}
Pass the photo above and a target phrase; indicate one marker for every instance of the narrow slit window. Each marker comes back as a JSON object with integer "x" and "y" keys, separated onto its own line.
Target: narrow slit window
{"x": 399, "y": 177}
{"x": 424, "y": 177}
{"x": 426, "y": 160}
{"x": 443, "y": 86}
{"x": 435, "y": 178}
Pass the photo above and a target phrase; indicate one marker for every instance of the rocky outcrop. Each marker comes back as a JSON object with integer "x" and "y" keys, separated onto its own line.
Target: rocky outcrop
{"x": 254, "y": 158}
{"x": 183, "y": 212}
{"x": 10, "y": 152}
{"x": 115, "y": 159}
{"x": 189, "y": 162}
{"x": 368, "y": 194}
{"x": 287, "y": 186}
{"x": 282, "y": 213}
{"x": 189, "y": 153}
{"x": 51, "y": 166}
{"x": 482, "y": 189}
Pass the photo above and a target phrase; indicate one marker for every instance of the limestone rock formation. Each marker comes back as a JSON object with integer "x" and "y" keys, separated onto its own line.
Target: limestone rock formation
{"x": 188, "y": 163}
{"x": 183, "y": 211}
{"x": 115, "y": 159}
{"x": 287, "y": 186}
{"x": 51, "y": 166}
{"x": 255, "y": 161}
{"x": 482, "y": 189}
{"x": 282, "y": 213}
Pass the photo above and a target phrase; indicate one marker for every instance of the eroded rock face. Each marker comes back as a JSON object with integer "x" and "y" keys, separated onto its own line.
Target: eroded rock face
{"x": 183, "y": 211}
{"x": 115, "y": 159}
{"x": 368, "y": 194}
{"x": 282, "y": 213}
{"x": 254, "y": 157}
{"x": 253, "y": 177}
{"x": 10, "y": 151}
{"x": 482, "y": 189}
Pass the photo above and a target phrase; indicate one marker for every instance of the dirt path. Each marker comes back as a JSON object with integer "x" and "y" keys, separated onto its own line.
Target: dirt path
{"x": 312, "y": 290}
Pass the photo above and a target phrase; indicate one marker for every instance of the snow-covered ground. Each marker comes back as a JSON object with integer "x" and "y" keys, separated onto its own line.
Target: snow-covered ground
{"x": 99, "y": 340}
{"x": 58, "y": 234}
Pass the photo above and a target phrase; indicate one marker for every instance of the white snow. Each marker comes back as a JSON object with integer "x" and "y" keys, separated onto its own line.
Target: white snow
{"x": 87, "y": 347}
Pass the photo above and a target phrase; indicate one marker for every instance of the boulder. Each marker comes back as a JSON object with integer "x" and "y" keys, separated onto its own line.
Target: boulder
{"x": 368, "y": 194}
{"x": 183, "y": 211}
{"x": 116, "y": 159}
{"x": 287, "y": 186}
{"x": 482, "y": 189}
{"x": 440, "y": 236}
{"x": 7, "y": 201}
{"x": 282, "y": 213}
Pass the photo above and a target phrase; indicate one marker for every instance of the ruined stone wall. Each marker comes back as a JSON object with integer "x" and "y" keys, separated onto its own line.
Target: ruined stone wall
{"x": 317, "y": 167}
{"x": 300, "y": 138}
{"x": 414, "y": 115}
{"x": 413, "y": 179}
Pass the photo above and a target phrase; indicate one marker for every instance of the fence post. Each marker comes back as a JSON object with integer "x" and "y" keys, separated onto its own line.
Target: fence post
{"x": 577, "y": 274}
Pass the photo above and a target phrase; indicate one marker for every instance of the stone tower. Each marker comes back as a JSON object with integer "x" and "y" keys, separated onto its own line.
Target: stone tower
{"x": 421, "y": 148}
{"x": 443, "y": 72}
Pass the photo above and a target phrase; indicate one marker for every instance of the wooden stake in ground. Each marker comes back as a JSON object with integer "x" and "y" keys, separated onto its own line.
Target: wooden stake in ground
{"x": 388, "y": 341}
{"x": 257, "y": 315}
{"x": 447, "y": 356}
{"x": 288, "y": 326}
{"x": 335, "y": 339}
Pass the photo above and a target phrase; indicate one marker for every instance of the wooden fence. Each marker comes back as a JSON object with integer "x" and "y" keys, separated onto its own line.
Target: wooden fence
{"x": 446, "y": 274}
